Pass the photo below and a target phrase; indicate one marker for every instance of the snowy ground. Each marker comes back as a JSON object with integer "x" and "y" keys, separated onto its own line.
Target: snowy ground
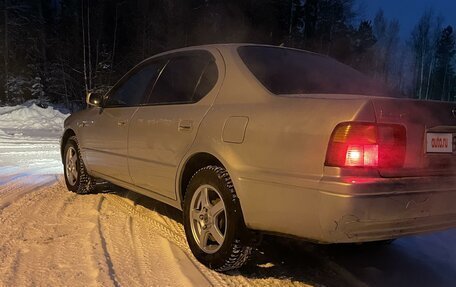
{"x": 51, "y": 237}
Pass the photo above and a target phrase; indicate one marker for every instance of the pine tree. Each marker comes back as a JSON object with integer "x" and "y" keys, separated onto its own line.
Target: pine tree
{"x": 328, "y": 27}
{"x": 363, "y": 40}
{"x": 445, "y": 73}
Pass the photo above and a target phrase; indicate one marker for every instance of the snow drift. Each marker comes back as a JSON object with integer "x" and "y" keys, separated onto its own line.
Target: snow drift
{"x": 31, "y": 116}
{"x": 29, "y": 139}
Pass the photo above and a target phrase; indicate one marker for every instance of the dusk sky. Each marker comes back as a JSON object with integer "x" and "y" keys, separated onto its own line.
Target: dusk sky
{"x": 408, "y": 12}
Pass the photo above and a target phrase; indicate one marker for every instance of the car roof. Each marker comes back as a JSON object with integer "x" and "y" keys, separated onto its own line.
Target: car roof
{"x": 229, "y": 46}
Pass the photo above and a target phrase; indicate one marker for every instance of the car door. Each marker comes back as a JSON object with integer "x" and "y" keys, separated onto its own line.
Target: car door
{"x": 105, "y": 133}
{"x": 162, "y": 131}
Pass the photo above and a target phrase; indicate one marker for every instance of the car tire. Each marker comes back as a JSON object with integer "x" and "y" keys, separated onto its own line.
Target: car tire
{"x": 213, "y": 221}
{"x": 76, "y": 177}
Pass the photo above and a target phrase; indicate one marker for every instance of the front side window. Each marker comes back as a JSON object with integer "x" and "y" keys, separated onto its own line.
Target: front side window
{"x": 185, "y": 79}
{"x": 132, "y": 91}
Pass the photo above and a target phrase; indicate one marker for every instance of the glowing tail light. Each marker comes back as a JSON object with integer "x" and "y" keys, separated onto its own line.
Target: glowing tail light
{"x": 362, "y": 155}
{"x": 367, "y": 145}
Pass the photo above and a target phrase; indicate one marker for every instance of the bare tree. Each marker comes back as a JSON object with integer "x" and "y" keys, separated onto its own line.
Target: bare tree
{"x": 387, "y": 48}
{"x": 423, "y": 42}
{"x": 89, "y": 40}
{"x": 86, "y": 82}
{"x": 6, "y": 48}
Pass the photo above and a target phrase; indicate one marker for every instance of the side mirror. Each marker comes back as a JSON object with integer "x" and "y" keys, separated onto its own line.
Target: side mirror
{"x": 93, "y": 100}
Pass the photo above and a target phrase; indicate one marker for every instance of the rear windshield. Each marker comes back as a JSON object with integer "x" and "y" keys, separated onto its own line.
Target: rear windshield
{"x": 288, "y": 71}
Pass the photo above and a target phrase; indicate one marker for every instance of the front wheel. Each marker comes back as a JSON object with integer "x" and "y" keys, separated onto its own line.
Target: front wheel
{"x": 213, "y": 220}
{"x": 76, "y": 177}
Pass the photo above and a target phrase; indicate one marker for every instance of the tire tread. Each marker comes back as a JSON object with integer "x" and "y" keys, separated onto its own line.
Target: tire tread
{"x": 239, "y": 253}
{"x": 86, "y": 183}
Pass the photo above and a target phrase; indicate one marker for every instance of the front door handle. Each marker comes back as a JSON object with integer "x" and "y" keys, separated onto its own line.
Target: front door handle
{"x": 121, "y": 123}
{"x": 84, "y": 124}
{"x": 185, "y": 125}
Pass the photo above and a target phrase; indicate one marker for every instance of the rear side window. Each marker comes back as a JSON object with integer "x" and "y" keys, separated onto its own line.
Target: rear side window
{"x": 186, "y": 79}
{"x": 288, "y": 71}
{"x": 131, "y": 91}
{"x": 207, "y": 82}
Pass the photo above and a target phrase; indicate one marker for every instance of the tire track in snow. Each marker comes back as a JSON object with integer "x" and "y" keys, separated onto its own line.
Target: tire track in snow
{"x": 174, "y": 232}
{"x": 20, "y": 191}
{"x": 13, "y": 181}
{"x": 12, "y": 186}
{"x": 138, "y": 249}
{"x": 146, "y": 249}
{"x": 9, "y": 176}
{"x": 47, "y": 229}
{"x": 32, "y": 191}
{"x": 162, "y": 229}
{"x": 8, "y": 216}
{"x": 170, "y": 229}
{"x": 112, "y": 273}
{"x": 114, "y": 227}
{"x": 141, "y": 245}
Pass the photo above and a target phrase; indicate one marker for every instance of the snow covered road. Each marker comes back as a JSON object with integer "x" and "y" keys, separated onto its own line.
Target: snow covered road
{"x": 55, "y": 238}
{"x": 51, "y": 237}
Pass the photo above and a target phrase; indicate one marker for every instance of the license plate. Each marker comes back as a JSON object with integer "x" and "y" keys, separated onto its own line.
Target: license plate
{"x": 439, "y": 143}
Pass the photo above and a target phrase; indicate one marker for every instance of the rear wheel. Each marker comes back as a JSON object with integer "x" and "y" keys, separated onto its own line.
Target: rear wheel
{"x": 76, "y": 177}
{"x": 213, "y": 220}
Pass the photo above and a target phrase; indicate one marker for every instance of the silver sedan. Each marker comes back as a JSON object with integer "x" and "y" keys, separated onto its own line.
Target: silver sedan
{"x": 250, "y": 139}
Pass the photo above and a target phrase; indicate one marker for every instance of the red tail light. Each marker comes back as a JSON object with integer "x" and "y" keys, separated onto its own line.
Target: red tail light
{"x": 355, "y": 144}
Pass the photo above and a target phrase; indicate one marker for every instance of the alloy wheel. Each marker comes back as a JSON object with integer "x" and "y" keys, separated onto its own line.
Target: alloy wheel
{"x": 71, "y": 165}
{"x": 208, "y": 218}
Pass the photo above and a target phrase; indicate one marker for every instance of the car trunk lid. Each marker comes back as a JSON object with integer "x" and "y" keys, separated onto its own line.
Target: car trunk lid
{"x": 431, "y": 135}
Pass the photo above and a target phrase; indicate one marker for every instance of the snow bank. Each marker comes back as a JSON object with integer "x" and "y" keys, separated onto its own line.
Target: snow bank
{"x": 29, "y": 139}
{"x": 31, "y": 117}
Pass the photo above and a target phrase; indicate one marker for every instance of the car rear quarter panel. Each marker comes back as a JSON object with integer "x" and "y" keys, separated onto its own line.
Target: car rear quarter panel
{"x": 278, "y": 167}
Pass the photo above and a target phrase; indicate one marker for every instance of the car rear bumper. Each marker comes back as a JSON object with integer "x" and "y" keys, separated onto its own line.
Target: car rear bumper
{"x": 361, "y": 231}
{"x": 346, "y": 219}
{"x": 341, "y": 210}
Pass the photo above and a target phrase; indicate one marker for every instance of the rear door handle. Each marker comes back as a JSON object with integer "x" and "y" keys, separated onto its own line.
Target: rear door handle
{"x": 185, "y": 125}
{"x": 121, "y": 123}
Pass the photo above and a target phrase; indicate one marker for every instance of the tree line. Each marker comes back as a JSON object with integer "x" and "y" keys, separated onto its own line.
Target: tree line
{"x": 58, "y": 50}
